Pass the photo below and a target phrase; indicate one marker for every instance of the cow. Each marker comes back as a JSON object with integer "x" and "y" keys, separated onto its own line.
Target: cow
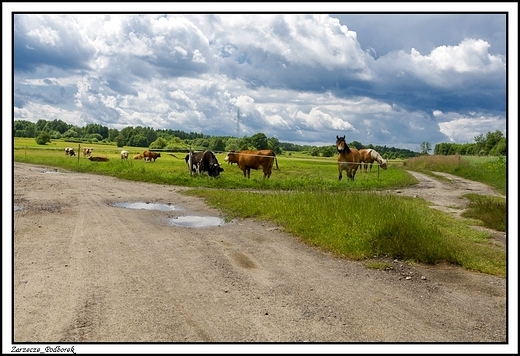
{"x": 204, "y": 162}
{"x": 253, "y": 159}
{"x": 87, "y": 151}
{"x": 98, "y": 159}
{"x": 69, "y": 151}
{"x": 139, "y": 156}
{"x": 124, "y": 154}
{"x": 149, "y": 155}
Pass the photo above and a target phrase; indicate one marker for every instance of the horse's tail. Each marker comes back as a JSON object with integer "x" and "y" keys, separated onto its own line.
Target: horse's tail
{"x": 276, "y": 161}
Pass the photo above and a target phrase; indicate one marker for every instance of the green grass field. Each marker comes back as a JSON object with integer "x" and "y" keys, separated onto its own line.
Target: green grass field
{"x": 355, "y": 220}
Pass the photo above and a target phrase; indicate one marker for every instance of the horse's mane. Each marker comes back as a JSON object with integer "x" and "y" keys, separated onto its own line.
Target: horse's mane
{"x": 375, "y": 155}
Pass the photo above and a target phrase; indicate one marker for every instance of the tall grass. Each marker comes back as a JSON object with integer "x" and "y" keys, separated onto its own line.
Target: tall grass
{"x": 492, "y": 211}
{"x": 360, "y": 225}
{"x": 488, "y": 170}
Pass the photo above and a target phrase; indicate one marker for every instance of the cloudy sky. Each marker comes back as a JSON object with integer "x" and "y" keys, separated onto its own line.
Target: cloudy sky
{"x": 390, "y": 79}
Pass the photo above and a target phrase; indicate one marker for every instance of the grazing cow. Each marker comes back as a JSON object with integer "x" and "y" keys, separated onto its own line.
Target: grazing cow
{"x": 124, "y": 154}
{"x": 253, "y": 159}
{"x": 87, "y": 151}
{"x": 139, "y": 156}
{"x": 149, "y": 155}
{"x": 98, "y": 159}
{"x": 204, "y": 162}
{"x": 69, "y": 151}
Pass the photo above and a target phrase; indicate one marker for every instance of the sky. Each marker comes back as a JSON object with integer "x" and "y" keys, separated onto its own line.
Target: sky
{"x": 394, "y": 79}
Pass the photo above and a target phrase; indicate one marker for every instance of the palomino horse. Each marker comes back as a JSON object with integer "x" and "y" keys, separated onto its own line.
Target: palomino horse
{"x": 349, "y": 158}
{"x": 369, "y": 156}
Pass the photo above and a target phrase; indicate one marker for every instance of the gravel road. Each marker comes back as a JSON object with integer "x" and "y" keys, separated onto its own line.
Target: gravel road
{"x": 87, "y": 271}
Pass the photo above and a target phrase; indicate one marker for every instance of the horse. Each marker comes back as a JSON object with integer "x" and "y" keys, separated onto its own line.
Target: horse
{"x": 369, "y": 155}
{"x": 349, "y": 159}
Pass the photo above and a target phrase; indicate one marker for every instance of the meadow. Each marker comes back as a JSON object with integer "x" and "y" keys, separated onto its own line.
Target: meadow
{"x": 354, "y": 220}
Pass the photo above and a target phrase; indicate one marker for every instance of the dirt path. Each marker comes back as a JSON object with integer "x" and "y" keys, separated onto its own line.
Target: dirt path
{"x": 87, "y": 271}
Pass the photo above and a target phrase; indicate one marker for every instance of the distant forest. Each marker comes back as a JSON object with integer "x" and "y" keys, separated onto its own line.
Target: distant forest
{"x": 179, "y": 141}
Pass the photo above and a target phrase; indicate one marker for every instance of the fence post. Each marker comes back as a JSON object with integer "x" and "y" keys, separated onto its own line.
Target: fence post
{"x": 189, "y": 162}
{"x": 79, "y": 148}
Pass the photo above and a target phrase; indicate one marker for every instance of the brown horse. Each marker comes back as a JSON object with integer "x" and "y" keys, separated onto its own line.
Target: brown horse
{"x": 369, "y": 156}
{"x": 349, "y": 158}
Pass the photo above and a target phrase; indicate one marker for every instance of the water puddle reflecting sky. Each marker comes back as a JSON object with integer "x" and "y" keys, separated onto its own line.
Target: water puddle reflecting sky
{"x": 197, "y": 221}
{"x": 148, "y": 206}
{"x": 182, "y": 221}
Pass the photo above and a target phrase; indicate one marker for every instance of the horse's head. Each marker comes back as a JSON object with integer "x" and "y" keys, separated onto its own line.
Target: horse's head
{"x": 341, "y": 145}
{"x": 383, "y": 164}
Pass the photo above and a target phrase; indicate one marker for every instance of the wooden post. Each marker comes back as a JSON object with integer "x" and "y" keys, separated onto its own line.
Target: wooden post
{"x": 190, "y": 154}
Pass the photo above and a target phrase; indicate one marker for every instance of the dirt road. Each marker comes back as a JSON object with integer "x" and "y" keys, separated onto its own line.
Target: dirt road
{"x": 88, "y": 271}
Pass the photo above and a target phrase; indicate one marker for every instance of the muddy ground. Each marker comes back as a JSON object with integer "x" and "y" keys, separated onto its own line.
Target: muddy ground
{"x": 86, "y": 271}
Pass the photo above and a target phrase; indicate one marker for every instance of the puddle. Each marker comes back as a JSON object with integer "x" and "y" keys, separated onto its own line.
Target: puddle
{"x": 197, "y": 221}
{"x": 147, "y": 206}
{"x": 16, "y": 208}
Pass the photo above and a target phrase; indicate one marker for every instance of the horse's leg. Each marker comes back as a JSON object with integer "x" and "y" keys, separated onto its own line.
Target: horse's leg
{"x": 340, "y": 173}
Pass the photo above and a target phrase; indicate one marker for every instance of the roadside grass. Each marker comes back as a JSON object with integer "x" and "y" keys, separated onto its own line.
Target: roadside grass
{"x": 355, "y": 220}
{"x": 488, "y": 170}
{"x": 491, "y": 211}
{"x": 488, "y": 209}
{"x": 363, "y": 225}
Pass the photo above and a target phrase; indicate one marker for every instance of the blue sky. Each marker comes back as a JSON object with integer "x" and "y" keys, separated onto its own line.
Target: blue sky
{"x": 394, "y": 79}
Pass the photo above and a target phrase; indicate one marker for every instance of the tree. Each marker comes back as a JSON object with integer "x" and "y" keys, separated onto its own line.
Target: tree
{"x": 259, "y": 141}
{"x": 70, "y": 133}
{"x": 356, "y": 144}
{"x": 43, "y": 138}
{"x": 160, "y": 143}
{"x": 217, "y": 145}
{"x": 425, "y": 147}
{"x": 232, "y": 144}
{"x": 492, "y": 138}
{"x": 274, "y": 144}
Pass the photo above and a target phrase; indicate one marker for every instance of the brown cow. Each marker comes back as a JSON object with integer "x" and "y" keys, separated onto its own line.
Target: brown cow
{"x": 253, "y": 159}
{"x": 98, "y": 159}
{"x": 149, "y": 155}
{"x": 139, "y": 156}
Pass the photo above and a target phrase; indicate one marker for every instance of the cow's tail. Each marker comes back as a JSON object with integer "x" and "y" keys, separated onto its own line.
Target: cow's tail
{"x": 171, "y": 154}
{"x": 276, "y": 161}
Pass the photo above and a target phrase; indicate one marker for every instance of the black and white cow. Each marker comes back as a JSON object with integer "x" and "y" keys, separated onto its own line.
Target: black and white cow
{"x": 204, "y": 162}
{"x": 69, "y": 151}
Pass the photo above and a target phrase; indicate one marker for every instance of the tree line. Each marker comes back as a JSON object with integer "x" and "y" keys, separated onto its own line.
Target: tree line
{"x": 176, "y": 140}
{"x": 493, "y": 144}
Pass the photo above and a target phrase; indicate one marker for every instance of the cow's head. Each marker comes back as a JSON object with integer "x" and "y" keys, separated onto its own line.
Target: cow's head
{"x": 214, "y": 170}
